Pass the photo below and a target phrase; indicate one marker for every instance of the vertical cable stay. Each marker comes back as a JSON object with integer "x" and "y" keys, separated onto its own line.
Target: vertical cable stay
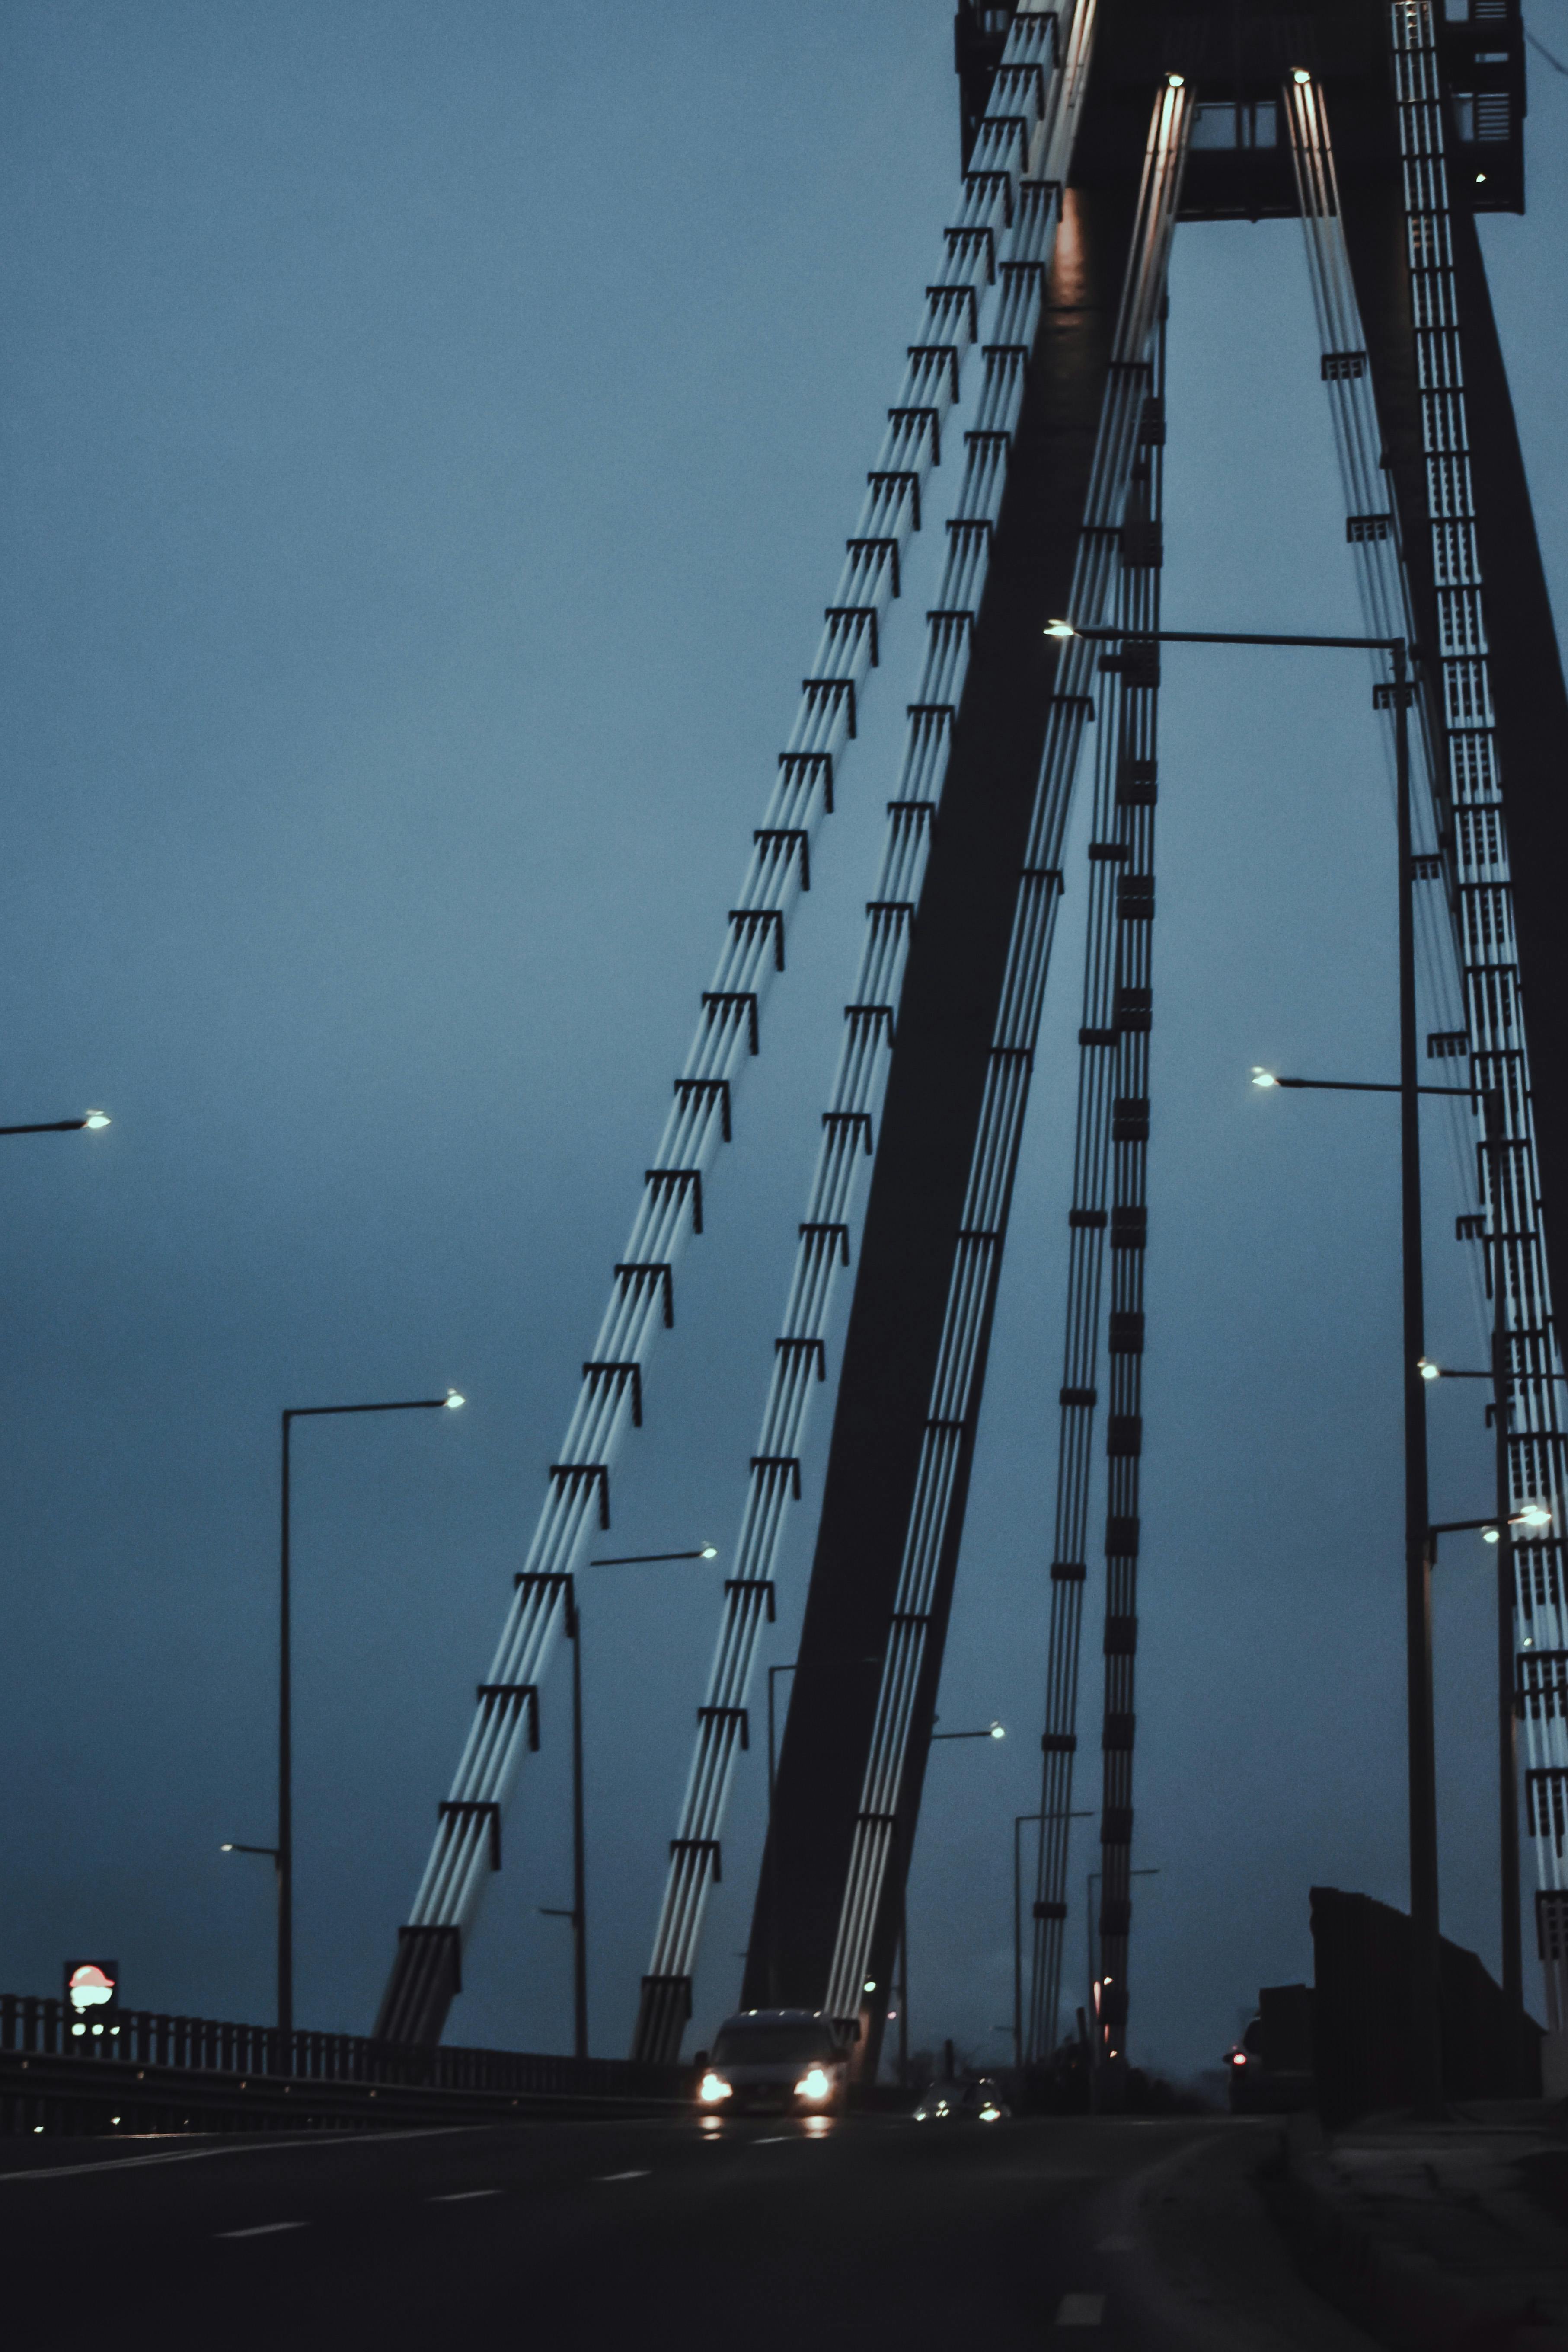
{"x": 1111, "y": 1141}
{"x": 934, "y": 1521}
{"x": 1016, "y": 131}
{"x": 1472, "y": 958}
{"x": 1030, "y": 118}
{"x": 1372, "y": 529}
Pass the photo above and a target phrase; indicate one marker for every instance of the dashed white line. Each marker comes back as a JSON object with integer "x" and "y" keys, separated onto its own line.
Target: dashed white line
{"x": 460, "y": 2196}
{"x": 261, "y": 2230}
{"x": 338, "y": 2140}
{"x": 622, "y": 2176}
{"x": 1080, "y": 2311}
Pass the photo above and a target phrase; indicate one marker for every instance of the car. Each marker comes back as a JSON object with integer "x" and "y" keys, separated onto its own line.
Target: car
{"x": 790, "y": 2061}
{"x": 979, "y": 2101}
{"x": 1270, "y": 2070}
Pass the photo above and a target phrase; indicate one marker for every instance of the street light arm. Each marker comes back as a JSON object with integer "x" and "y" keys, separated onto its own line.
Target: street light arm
{"x": 1266, "y": 1078}
{"x": 400, "y": 1405}
{"x": 1224, "y": 637}
{"x": 93, "y": 1118}
{"x": 647, "y": 1558}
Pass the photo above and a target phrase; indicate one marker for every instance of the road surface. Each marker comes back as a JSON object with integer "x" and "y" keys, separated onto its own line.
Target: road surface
{"x": 769, "y": 2236}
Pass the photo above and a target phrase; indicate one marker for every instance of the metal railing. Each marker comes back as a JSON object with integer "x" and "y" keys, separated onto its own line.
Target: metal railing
{"x": 57, "y": 2070}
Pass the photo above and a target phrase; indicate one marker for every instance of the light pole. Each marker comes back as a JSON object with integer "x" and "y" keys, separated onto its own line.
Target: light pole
{"x": 285, "y": 1732}
{"x": 92, "y": 1118}
{"x": 987, "y": 1731}
{"x": 1425, "y": 2022}
{"x": 578, "y": 1913}
{"x": 1499, "y": 1532}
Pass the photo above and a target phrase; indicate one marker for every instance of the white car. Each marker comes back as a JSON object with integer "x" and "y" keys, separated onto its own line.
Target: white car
{"x": 793, "y": 2060}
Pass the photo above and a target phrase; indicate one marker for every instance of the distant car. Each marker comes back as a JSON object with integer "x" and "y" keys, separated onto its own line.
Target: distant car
{"x": 963, "y": 2103}
{"x": 793, "y": 2060}
{"x": 1263, "y": 2080}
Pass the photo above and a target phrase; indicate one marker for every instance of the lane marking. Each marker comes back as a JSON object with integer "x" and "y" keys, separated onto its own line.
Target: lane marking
{"x": 1080, "y": 2311}
{"x": 260, "y": 2148}
{"x": 644, "y": 2175}
{"x": 261, "y": 2230}
{"x": 771, "y": 2139}
{"x": 1114, "y": 2246}
{"x": 460, "y": 2196}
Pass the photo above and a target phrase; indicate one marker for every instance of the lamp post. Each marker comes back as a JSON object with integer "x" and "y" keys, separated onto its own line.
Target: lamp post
{"x": 987, "y": 1731}
{"x": 92, "y": 1118}
{"x": 1425, "y": 2016}
{"x": 1500, "y": 1533}
{"x": 578, "y": 1913}
{"x": 285, "y": 1731}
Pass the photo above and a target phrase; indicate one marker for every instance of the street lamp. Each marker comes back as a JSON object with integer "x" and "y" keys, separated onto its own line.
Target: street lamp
{"x": 1493, "y": 1531}
{"x": 92, "y": 1118}
{"x": 1425, "y": 2025}
{"x": 447, "y": 1404}
{"x": 578, "y": 1913}
{"x": 989, "y": 1731}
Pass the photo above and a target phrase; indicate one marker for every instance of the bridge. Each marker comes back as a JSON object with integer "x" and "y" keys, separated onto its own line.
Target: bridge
{"x": 1016, "y": 493}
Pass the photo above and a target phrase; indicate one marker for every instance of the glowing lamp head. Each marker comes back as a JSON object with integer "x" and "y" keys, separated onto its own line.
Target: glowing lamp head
{"x": 709, "y": 1552}
{"x": 453, "y": 1400}
{"x": 870, "y": 1984}
{"x": 713, "y": 2088}
{"x": 1176, "y": 82}
{"x": 97, "y": 1119}
{"x": 998, "y": 1731}
{"x": 1060, "y": 629}
{"x": 226, "y": 1847}
{"x": 1261, "y": 1078}
{"x": 1480, "y": 179}
{"x": 1427, "y": 1369}
{"x": 1533, "y": 1515}
{"x": 1300, "y": 76}
{"x": 1489, "y": 1535}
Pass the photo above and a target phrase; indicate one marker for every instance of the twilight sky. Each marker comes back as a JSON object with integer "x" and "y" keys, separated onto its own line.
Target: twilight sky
{"x": 427, "y": 441}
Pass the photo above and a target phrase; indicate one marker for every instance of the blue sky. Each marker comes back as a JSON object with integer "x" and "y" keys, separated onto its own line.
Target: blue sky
{"x": 425, "y": 442}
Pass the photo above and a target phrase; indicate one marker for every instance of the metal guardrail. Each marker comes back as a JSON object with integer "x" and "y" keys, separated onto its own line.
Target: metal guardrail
{"x": 139, "y": 2069}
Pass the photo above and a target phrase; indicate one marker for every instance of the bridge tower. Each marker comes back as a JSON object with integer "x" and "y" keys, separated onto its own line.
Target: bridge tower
{"x": 1090, "y": 130}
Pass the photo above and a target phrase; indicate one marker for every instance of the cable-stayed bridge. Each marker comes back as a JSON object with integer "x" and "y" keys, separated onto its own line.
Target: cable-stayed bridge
{"x": 1091, "y": 132}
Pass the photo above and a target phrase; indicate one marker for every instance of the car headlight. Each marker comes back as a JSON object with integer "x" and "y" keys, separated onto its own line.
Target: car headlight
{"x": 713, "y": 2087}
{"x": 990, "y": 2115}
{"x": 814, "y": 2083}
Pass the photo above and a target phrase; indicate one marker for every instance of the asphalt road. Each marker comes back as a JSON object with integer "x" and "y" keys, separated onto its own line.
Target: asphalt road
{"x": 875, "y": 2232}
